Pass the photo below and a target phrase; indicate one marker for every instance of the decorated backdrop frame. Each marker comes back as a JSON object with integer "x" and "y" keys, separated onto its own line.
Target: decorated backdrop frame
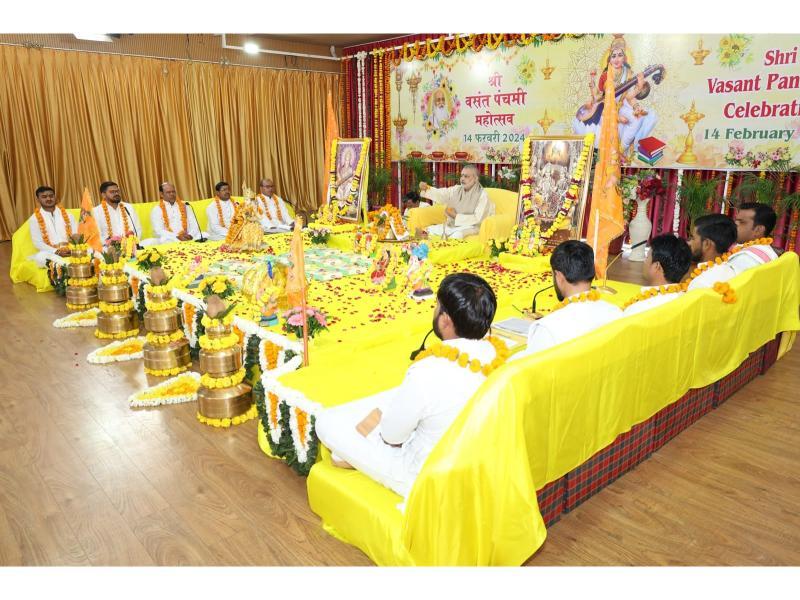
{"x": 579, "y": 210}
{"x": 360, "y": 178}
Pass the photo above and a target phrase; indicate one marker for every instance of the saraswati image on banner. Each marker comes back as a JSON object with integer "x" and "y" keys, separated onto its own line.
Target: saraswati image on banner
{"x": 716, "y": 101}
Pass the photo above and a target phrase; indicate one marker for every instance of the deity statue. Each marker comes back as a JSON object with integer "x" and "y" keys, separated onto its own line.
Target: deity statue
{"x": 245, "y": 233}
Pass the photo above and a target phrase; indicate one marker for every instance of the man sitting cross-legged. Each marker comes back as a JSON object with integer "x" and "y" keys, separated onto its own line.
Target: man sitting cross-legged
{"x": 388, "y": 436}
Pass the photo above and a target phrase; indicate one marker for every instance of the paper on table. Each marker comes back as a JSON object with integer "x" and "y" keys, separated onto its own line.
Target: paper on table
{"x": 514, "y": 325}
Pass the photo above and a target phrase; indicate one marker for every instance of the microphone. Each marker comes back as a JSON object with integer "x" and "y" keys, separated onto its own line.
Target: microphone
{"x": 202, "y": 239}
{"x": 416, "y": 352}
{"x": 533, "y": 304}
{"x": 138, "y": 246}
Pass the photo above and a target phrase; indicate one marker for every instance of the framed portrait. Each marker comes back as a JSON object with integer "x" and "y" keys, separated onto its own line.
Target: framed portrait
{"x": 553, "y": 161}
{"x": 349, "y": 179}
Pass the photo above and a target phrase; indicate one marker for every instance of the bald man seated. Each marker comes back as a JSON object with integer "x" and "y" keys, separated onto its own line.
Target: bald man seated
{"x": 275, "y": 215}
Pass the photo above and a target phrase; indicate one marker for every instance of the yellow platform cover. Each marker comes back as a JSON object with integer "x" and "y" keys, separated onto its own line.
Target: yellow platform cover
{"x": 534, "y": 420}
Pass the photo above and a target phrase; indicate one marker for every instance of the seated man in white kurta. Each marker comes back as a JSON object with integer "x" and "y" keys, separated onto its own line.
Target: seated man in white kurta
{"x": 392, "y": 442}
{"x": 754, "y": 225}
{"x": 275, "y": 214}
{"x": 664, "y": 269}
{"x": 116, "y": 218}
{"x": 171, "y": 219}
{"x": 467, "y": 205}
{"x": 581, "y": 310}
{"x": 712, "y": 236}
{"x": 51, "y": 225}
{"x": 220, "y": 212}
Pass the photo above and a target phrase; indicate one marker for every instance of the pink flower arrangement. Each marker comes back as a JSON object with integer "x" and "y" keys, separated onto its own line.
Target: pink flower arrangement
{"x": 315, "y": 319}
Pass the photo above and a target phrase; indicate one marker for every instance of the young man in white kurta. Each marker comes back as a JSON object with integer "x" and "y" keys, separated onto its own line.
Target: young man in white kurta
{"x": 110, "y": 193}
{"x": 712, "y": 236}
{"x": 415, "y": 415}
{"x": 275, "y": 212}
{"x": 667, "y": 264}
{"x": 218, "y": 230}
{"x": 467, "y": 205}
{"x": 169, "y": 196}
{"x": 55, "y": 227}
{"x": 753, "y": 221}
{"x": 573, "y": 271}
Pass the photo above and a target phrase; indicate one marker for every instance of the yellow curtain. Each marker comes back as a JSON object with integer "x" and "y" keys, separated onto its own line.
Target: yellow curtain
{"x": 75, "y": 119}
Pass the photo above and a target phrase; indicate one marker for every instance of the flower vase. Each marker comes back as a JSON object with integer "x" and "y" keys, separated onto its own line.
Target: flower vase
{"x": 639, "y": 228}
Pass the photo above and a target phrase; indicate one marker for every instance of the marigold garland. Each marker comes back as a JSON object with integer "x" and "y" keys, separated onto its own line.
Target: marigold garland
{"x": 71, "y": 306}
{"x": 158, "y": 306}
{"x": 88, "y": 282}
{"x": 173, "y": 391}
{"x": 79, "y": 260}
{"x": 213, "y": 383}
{"x": 661, "y": 290}
{"x": 165, "y": 216}
{"x": 728, "y": 293}
{"x": 227, "y": 422}
{"x": 702, "y": 268}
{"x": 462, "y": 358}
{"x": 116, "y": 336}
{"x": 209, "y": 322}
{"x": 43, "y": 228}
{"x": 126, "y": 229}
{"x": 157, "y": 339}
{"x": 116, "y": 266}
{"x": 109, "y": 307}
{"x": 113, "y": 279}
{"x": 590, "y": 296}
{"x": 166, "y": 372}
{"x": 122, "y": 350}
{"x": 222, "y": 343}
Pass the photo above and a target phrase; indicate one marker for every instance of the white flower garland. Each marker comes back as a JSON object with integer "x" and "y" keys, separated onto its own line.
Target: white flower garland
{"x": 84, "y": 318}
{"x": 361, "y": 108}
{"x": 676, "y": 217}
{"x": 101, "y": 356}
{"x": 291, "y": 397}
{"x": 136, "y": 400}
{"x": 300, "y": 444}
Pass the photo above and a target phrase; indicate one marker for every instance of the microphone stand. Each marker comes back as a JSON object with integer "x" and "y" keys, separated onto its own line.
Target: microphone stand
{"x": 202, "y": 239}
{"x": 138, "y": 245}
{"x": 534, "y": 314}
{"x": 416, "y": 352}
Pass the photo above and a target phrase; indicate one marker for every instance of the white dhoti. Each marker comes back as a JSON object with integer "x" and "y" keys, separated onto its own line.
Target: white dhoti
{"x": 336, "y": 428}
{"x": 41, "y": 258}
{"x": 456, "y": 233}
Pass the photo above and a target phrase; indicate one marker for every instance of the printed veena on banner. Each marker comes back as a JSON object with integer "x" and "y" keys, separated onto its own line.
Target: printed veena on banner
{"x": 706, "y": 101}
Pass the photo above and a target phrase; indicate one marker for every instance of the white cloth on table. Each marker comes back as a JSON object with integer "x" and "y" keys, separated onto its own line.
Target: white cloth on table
{"x": 163, "y": 234}
{"x": 752, "y": 256}
{"x": 219, "y": 230}
{"x": 56, "y": 231}
{"x": 715, "y": 274}
{"x": 471, "y": 207}
{"x": 567, "y": 323}
{"x": 648, "y": 303}
{"x": 416, "y": 414}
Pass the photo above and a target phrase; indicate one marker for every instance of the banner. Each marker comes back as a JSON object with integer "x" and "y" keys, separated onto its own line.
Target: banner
{"x": 705, "y": 101}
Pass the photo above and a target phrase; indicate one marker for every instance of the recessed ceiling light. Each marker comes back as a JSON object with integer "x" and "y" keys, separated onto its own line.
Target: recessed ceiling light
{"x": 94, "y": 37}
{"x": 251, "y": 48}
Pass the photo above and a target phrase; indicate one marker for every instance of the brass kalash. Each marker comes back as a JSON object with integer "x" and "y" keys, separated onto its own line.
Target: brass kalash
{"x": 117, "y": 318}
{"x": 221, "y": 358}
{"x": 82, "y": 281}
{"x": 166, "y": 351}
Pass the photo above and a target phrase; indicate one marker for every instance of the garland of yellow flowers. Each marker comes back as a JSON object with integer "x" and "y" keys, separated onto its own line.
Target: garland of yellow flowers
{"x": 252, "y": 413}
{"x": 263, "y": 200}
{"x": 79, "y": 260}
{"x": 43, "y": 228}
{"x": 108, "y": 219}
{"x": 590, "y": 296}
{"x": 673, "y": 288}
{"x": 162, "y": 340}
{"x": 113, "y": 279}
{"x": 462, "y": 358}
{"x": 165, "y": 217}
{"x": 157, "y": 306}
{"x": 116, "y": 336}
{"x": 212, "y": 383}
{"x": 88, "y": 282}
{"x": 107, "y": 307}
{"x": 166, "y": 372}
{"x": 71, "y": 306}
{"x": 222, "y": 343}
{"x": 117, "y": 266}
{"x": 531, "y": 229}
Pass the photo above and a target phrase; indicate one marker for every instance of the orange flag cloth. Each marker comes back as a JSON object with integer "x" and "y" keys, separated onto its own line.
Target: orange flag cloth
{"x": 606, "y": 221}
{"x": 296, "y": 277}
{"x": 87, "y": 226}
{"x": 331, "y": 133}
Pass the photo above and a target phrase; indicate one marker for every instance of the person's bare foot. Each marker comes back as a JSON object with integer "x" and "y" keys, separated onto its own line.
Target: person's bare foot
{"x": 338, "y": 462}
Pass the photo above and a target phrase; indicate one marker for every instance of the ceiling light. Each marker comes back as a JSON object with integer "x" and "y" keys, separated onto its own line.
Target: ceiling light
{"x": 251, "y": 48}
{"x": 94, "y": 37}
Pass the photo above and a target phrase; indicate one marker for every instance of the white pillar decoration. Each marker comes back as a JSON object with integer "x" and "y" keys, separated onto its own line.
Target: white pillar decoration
{"x": 676, "y": 216}
{"x": 725, "y": 191}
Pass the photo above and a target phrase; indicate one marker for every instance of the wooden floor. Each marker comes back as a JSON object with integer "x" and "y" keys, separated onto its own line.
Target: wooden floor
{"x": 84, "y": 480}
